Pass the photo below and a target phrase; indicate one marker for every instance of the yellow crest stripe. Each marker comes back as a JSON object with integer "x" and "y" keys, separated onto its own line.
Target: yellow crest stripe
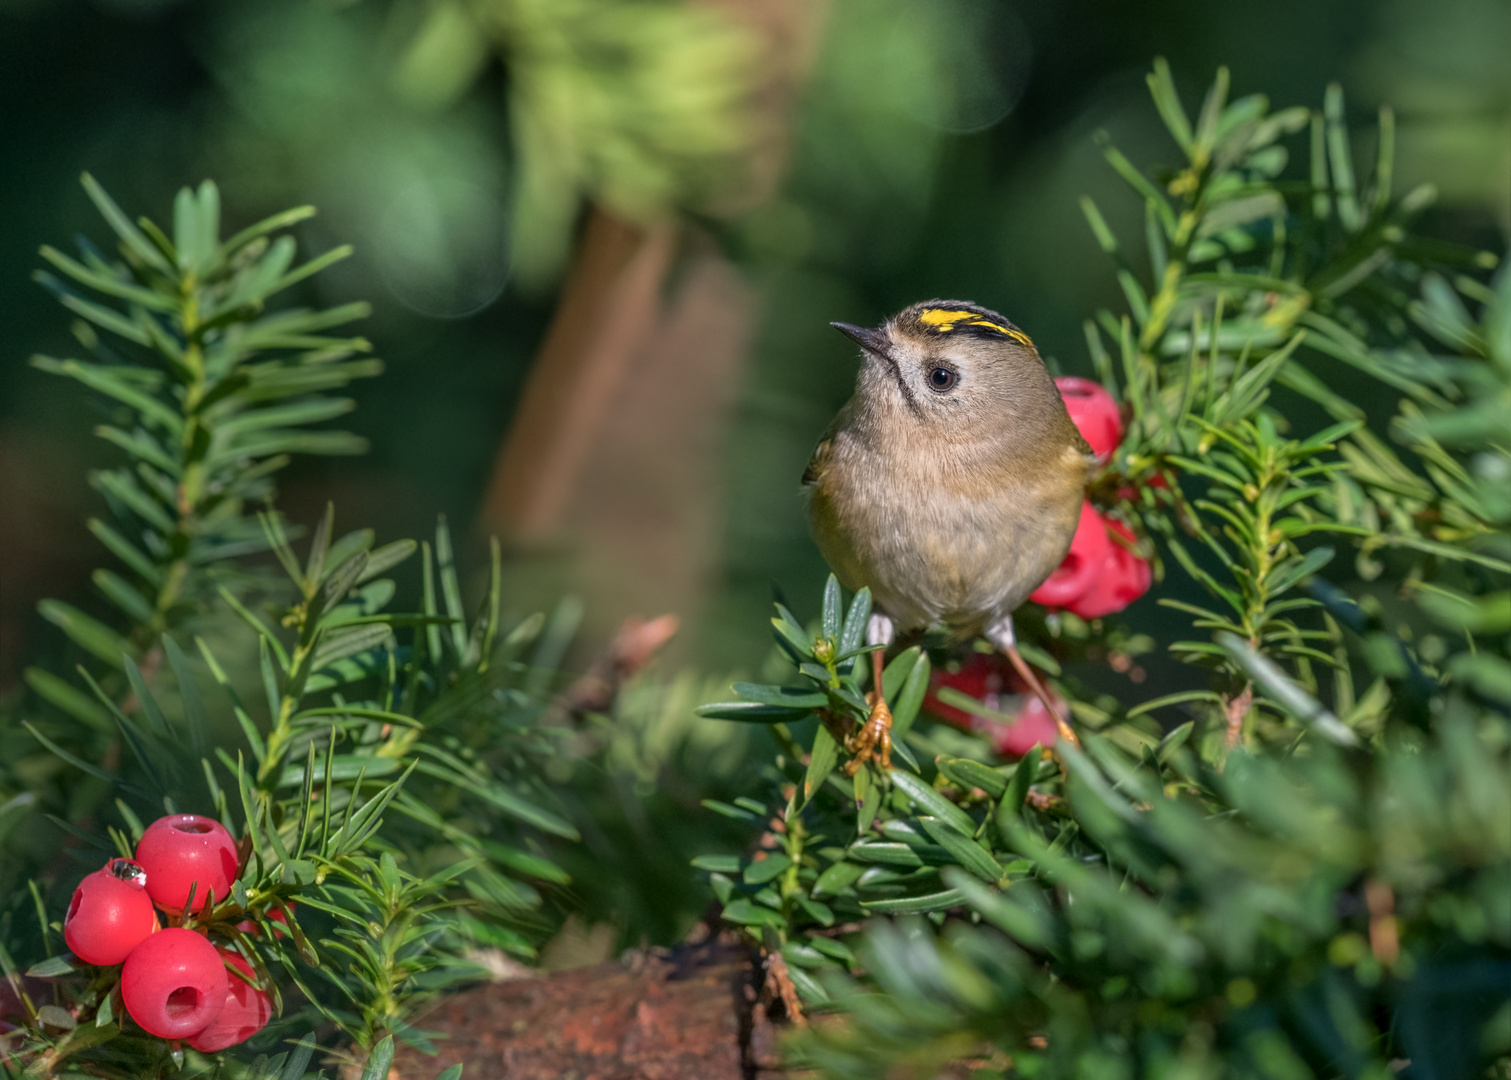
{"x": 944, "y": 320}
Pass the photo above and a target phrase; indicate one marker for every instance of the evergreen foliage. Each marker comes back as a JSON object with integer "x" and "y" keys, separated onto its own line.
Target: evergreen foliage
{"x": 211, "y": 394}
{"x": 642, "y": 107}
{"x": 1298, "y": 866}
{"x": 384, "y": 795}
{"x": 215, "y": 394}
{"x": 1291, "y": 878}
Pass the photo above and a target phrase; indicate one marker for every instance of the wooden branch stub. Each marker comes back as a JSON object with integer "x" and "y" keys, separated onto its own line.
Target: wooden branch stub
{"x": 690, "y": 1013}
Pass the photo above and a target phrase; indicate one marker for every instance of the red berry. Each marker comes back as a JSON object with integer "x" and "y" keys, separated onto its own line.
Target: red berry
{"x": 1124, "y": 577}
{"x": 1074, "y": 575}
{"x": 184, "y": 849}
{"x": 992, "y": 681}
{"x": 982, "y": 676}
{"x": 245, "y": 1013}
{"x": 109, "y": 915}
{"x": 247, "y": 926}
{"x": 1032, "y": 726}
{"x": 1093, "y": 412}
{"x": 173, "y": 984}
{"x": 1099, "y": 576}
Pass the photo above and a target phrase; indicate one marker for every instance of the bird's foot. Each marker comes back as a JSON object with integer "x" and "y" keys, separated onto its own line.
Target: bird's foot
{"x": 874, "y": 740}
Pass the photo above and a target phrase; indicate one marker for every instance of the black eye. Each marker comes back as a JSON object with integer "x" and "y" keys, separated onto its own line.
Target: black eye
{"x": 942, "y": 379}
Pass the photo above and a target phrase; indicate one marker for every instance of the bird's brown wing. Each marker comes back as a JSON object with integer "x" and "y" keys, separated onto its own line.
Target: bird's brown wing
{"x": 816, "y": 464}
{"x": 813, "y": 475}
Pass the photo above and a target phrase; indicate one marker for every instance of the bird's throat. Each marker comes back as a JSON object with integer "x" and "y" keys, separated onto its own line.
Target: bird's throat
{"x": 885, "y": 370}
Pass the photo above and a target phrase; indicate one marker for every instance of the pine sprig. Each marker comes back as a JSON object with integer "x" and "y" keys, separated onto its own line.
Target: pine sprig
{"x": 213, "y": 395}
{"x": 1254, "y": 284}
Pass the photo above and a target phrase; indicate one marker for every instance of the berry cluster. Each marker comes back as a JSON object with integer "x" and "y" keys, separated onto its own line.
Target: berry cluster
{"x": 175, "y": 983}
{"x": 1101, "y": 574}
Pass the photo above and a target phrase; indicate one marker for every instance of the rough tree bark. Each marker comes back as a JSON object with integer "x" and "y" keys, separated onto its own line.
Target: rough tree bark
{"x": 696, "y": 1012}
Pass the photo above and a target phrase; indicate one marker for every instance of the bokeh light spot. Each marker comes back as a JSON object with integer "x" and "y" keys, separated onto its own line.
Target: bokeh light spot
{"x": 443, "y": 246}
{"x": 968, "y": 61}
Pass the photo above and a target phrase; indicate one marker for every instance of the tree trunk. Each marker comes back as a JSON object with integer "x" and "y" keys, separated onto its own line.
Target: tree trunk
{"x": 610, "y": 484}
{"x": 609, "y": 306}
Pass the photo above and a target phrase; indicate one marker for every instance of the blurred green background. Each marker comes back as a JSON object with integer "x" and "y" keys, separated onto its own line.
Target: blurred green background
{"x": 617, "y": 229}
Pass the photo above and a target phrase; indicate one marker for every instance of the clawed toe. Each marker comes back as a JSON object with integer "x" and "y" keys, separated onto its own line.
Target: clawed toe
{"x": 874, "y": 740}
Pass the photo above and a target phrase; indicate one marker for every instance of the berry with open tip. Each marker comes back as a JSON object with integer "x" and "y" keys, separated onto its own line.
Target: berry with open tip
{"x": 183, "y": 851}
{"x": 1100, "y": 576}
{"x": 173, "y": 984}
{"x": 109, "y": 915}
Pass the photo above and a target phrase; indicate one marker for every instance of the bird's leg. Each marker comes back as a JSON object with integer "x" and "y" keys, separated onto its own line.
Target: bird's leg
{"x": 1002, "y": 635}
{"x": 875, "y": 738}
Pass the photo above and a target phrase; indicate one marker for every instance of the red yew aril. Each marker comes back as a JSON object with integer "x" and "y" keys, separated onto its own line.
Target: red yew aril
{"x": 983, "y": 677}
{"x": 183, "y": 851}
{"x": 992, "y": 681}
{"x": 1124, "y": 578}
{"x": 1094, "y": 412}
{"x": 1032, "y": 726}
{"x": 1088, "y": 551}
{"x": 109, "y": 915}
{"x": 173, "y": 984}
{"x": 1100, "y": 576}
{"x": 246, "y": 1010}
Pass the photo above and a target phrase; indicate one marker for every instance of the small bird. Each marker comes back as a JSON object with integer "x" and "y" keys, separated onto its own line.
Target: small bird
{"x": 950, "y": 485}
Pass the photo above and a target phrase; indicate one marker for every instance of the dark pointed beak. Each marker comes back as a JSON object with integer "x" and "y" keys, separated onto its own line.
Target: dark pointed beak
{"x": 874, "y": 340}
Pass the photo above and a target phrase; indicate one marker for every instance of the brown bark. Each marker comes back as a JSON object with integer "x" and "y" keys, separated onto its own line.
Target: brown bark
{"x": 693, "y": 1013}
{"x": 619, "y": 502}
{"x": 710, "y": 1011}
{"x": 1384, "y": 934}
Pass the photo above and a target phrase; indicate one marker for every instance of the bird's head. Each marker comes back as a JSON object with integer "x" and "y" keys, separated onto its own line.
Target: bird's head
{"x": 958, "y": 370}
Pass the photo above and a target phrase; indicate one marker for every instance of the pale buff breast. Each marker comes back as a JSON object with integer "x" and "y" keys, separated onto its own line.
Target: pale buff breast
{"x": 959, "y": 555}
